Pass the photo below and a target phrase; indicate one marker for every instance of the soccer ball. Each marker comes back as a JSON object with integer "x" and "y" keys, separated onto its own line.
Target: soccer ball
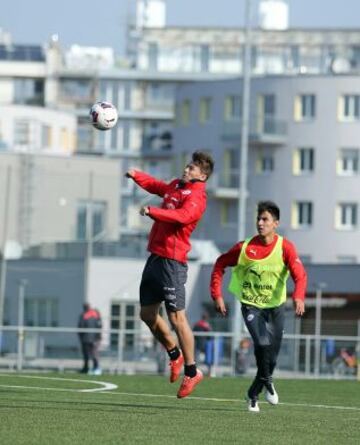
{"x": 103, "y": 115}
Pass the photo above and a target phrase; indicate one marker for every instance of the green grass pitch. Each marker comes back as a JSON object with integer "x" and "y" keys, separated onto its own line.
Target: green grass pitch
{"x": 53, "y": 409}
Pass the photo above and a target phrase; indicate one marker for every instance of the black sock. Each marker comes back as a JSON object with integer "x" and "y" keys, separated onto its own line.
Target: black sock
{"x": 190, "y": 370}
{"x": 174, "y": 353}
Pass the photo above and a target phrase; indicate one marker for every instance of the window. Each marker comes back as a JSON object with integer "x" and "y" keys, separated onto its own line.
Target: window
{"x": 28, "y": 91}
{"x": 302, "y": 214}
{"x": 228, "y": 214}
{"x": 304, "y": 107}
{"x": 303, "y": 162}
{"x": 46, "y": 136}
{"x": 230, "y": 169}
{"x": 204, "y": 110}
{"x": 97, "y": 210}
{"x": 349, "y": 107}
{"x": 346, "y": 216}
{"x": 204, "y": 58}
{"x": 265, "y": 163}
{"x": 153, "y": 52}
{"x": 22, "y": 132}
{"x": 347, "y": 259}
{"x": 41, "y": 312}
{"x": 124, "y": 315}
{"x": 266, "y": 113}
{"x": 185, "y": 112}
{"x": 232, "y": 109}
{"x": 348, "y": 161}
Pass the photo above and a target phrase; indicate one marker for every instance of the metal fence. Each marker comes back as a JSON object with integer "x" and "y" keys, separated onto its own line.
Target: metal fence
{"x": 50, "y": 348}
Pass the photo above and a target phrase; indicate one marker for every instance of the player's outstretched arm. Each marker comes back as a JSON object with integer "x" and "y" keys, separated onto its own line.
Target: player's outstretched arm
{"x": 130, "y": 173}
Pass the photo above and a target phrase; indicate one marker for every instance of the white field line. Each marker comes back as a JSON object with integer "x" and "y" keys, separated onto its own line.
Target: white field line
{"x": 214, "y": 399}
{"x": 104, "y": 386}
{"x": 110, "y": 386}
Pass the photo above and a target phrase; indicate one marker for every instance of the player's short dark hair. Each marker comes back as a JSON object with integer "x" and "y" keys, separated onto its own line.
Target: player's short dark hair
{"x": 269, "y": 206}
{"x": 204, "y": 161}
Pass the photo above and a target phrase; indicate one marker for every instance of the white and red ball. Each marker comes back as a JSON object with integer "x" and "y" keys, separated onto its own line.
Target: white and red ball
{"x": 103, "y": 115}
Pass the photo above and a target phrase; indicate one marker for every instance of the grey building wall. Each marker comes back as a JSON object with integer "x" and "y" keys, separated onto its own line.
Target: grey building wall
{"x": 46, "y": 193}
{"x": 322, "y": 241}
{"x": 61, "y": 281}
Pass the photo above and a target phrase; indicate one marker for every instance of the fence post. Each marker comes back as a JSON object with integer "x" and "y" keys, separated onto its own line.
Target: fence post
{"x": 20, "y": 347}
{"x": 307, "y": 354}
{"x": 297, "y": 341}
{"x": 120, "y": 350}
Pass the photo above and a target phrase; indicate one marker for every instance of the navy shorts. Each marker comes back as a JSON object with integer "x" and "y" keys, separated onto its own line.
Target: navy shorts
{"x": 163, "y": 280}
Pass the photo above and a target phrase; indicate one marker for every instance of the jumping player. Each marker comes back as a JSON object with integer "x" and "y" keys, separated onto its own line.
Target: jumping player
{"x": 165, "y": 272}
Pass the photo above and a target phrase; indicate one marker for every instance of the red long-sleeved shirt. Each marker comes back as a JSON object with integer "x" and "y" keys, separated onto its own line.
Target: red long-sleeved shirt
{"x": 257, "y": 250}
{"x": 182, "y": 207}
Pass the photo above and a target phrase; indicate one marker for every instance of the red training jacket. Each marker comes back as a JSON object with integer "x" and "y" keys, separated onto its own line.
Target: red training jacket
{"x": 257, "y": 251}
{"x": 182, "y": 208}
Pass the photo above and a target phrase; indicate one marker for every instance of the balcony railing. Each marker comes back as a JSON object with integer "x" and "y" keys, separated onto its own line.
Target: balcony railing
{"x": 262, "y": 129}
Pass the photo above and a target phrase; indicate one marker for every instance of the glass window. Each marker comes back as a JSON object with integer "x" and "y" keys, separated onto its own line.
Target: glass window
{"x": 346, "y": 216}
{"x": 204, "y": 58}
{"x": 80, "y": 91}
{"x": 41, "y": 312}
{"x": 348, "y": 162}
{"x": 204, "y": 109}
{"x": 46, "y": 136}
{"x": 22, "y": 132}
{"x": 153, "y": 54}
{"x": 97, "y": 210}
{"x": 305, "y": 107}
{"x": 124, "y": 315}
{"x": 185, "y": 112}
{"x": 347, "y": 259}
{"x": 232, "y": 109}
{"x": 228, "y": 214}
{"x": 265, "y": 163}
{"x": 351, "y": 107}
{"x": 302, "y": 216}
{"x": 29, "y": 91}
{"x": 303, "y": 161}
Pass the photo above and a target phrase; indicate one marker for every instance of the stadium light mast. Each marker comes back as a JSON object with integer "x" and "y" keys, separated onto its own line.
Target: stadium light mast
{"x": 3, "y": 247}
{"x": 243, "y": 161}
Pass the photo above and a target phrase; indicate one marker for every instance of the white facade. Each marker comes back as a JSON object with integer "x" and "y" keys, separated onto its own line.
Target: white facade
{"x": 274, "y": 14}
{"x": 29, "y": 129}
{"x": 150, "y": 13}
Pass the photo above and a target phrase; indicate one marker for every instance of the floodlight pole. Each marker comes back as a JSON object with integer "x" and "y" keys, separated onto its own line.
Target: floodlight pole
{"x": 89, "y": 236}
{"x": 3, "y": 247}
{"x": 318, "y": 309}
{"x": 243, "y": 161}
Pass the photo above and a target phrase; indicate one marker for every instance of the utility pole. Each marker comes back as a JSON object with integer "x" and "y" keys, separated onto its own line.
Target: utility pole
{"x": 318, "y": 310}
{"x": 243, "y": 161}
{"x": 88, "y": 236}
{"x": 21, "y": 302}
{"x": 7, "y": 190}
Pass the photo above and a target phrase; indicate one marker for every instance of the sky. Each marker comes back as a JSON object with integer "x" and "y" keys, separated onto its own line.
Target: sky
{"x": 93, "y": 23}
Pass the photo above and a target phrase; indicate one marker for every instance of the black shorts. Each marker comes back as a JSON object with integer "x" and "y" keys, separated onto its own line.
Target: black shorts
{"x": 163, "y": 280}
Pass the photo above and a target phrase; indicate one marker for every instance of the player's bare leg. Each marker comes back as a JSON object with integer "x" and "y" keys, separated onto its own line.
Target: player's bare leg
{"x": 157, "y": 325}
{"x": 193, "y": 376}
{"x": 184, "y": 333}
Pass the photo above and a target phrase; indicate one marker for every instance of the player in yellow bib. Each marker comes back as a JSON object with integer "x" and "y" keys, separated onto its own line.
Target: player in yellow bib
{"x": 261, "y": 266}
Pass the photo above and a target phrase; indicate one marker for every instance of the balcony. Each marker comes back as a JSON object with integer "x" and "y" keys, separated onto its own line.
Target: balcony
{"x": 263, "y": 130}
{"x": 224, "y": 185}
{"x": 157, "y": 145}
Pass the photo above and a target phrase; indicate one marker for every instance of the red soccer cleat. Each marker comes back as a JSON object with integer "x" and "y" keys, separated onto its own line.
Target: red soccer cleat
{"x": 188, "y": 384}
{"x": 176, "y": 368}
